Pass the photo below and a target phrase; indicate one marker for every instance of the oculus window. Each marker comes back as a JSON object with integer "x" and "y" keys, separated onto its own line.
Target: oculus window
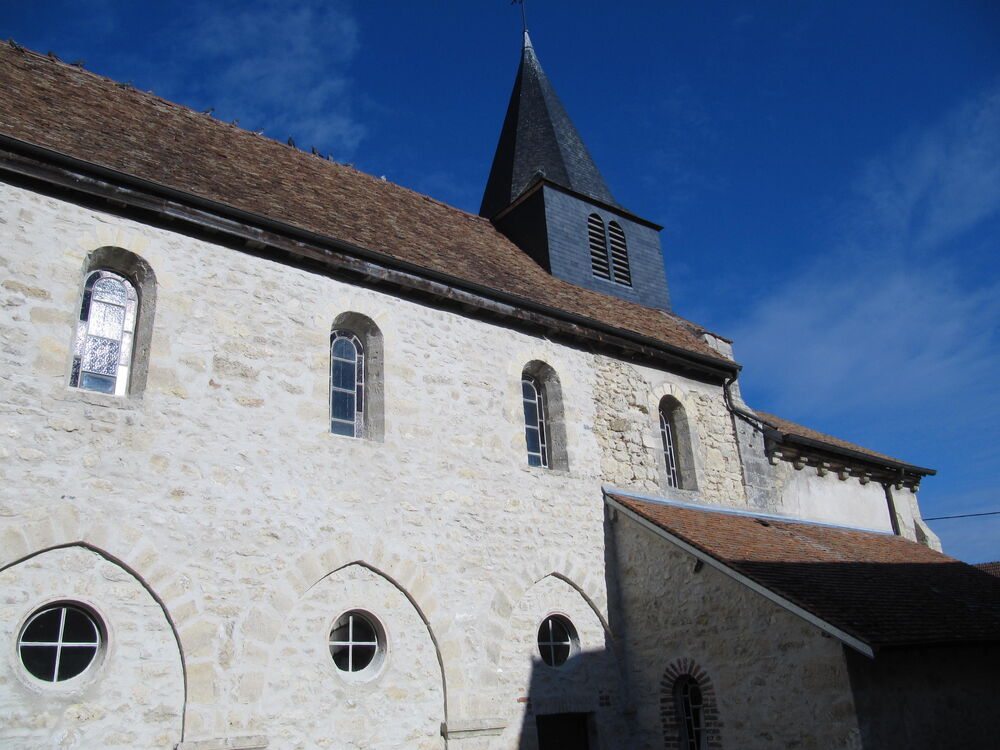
{"x": 557, "y": 640}
{"x": 58, "y": 643}
{"x": 357, "y": 643}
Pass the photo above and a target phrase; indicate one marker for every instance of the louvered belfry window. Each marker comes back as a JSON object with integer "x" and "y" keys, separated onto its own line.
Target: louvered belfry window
{"x": 598, "y": 247}
{"x": 619, "y": 255}
{"x": 608, "y": 251}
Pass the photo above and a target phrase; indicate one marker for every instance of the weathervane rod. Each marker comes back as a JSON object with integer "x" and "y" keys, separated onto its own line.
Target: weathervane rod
{"x": 524, "y": 20}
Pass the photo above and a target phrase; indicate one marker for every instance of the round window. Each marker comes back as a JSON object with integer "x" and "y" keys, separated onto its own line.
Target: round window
{"x": 557, "y": 640}
{"x": 58, "y": 643}
{"x": 356, "y": 642}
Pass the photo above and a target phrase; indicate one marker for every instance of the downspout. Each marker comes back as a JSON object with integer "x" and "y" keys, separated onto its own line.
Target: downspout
{"x": 752, "y": 419}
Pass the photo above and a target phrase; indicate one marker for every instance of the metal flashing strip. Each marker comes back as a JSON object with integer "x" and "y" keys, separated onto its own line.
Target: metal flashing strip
{"x": 849, "y": 640}
{"x": 744, "y": 513}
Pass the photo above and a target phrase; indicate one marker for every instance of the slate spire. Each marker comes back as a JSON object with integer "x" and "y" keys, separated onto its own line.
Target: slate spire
{"x": 538, "y": 138}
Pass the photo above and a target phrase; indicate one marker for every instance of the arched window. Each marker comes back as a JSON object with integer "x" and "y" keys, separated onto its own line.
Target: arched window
{"x": 356, "y": 392}
{"x": 347, "y": 384}
{"x": 114, "y": 326}
{"x": 598, "y": 247}
{"x": 619, "y": 255}
{"x": 669, "y": 450}
{"x": 544, "y": 428}
{"x": 677, "y": 465}
{"x": 102, "y": 354}
{"x": 689, "y": 706}
{"x": 535, "y": 421}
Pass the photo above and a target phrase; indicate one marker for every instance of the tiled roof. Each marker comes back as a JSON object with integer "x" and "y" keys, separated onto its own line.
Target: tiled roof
{"x": 880, "y": 589}
{"x": 798, "y": 431}
{"x": 993, "y": 568}
{"x": 94, "y": 119}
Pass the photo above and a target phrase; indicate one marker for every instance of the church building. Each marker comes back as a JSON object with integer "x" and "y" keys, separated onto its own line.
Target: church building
{"x": 294, "y": 458}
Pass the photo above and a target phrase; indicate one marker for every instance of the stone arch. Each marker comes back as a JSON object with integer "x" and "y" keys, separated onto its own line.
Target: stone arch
{"x": 136, "y": 635}
{"x": 673, "y": 730}
{"x": 262, "y": 623}
{"x": 519, "y": 582}
{"x": 131, "y": 549}
{"x": 296, "y": 667}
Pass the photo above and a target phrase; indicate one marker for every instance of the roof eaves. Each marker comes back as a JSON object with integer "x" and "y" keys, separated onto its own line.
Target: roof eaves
{"x": 701, "y": 554}
{"x": 805, "y": 442}
{"x": 716, "y": 366}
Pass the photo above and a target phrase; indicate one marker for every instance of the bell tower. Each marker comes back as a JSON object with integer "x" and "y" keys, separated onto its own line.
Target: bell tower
{"x": 546, "y": 194}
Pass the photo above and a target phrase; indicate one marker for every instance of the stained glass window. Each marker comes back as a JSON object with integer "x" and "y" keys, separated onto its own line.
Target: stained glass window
{"x": 102, "y": 351}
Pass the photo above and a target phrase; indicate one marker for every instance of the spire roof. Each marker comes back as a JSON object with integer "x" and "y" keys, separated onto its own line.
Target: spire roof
{"x": 538, "y": 139}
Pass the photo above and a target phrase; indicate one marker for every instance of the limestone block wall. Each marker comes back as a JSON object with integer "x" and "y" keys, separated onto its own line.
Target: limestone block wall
{"x": 769, "y": 678}
{"x": 628, "y": 432}
{"x": 133, "y": 694}
{"x": 221, "y": 488}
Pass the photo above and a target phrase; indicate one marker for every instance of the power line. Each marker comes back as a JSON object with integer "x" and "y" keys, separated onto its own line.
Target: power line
{"x": 965, "y": 515}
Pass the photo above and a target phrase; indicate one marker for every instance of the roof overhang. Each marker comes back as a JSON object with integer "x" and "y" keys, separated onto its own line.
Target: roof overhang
{"x": 260, "y": 235}
{"x": 846, "y": 638}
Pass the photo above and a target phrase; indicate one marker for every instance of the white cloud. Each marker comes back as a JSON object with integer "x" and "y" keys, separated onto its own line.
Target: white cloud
{"x": 272, "y": 65}
{"x": 900, "y": 308}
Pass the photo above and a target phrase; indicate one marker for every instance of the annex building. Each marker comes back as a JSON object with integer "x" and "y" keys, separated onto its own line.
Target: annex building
{"x": 294, "y": 457}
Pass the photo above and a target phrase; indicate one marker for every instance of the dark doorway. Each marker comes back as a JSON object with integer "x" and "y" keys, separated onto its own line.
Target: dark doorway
{"x": 563, "y": 731}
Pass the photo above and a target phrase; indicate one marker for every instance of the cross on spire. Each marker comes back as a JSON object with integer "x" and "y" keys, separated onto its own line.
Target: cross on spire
{"x": 524, "y": 20}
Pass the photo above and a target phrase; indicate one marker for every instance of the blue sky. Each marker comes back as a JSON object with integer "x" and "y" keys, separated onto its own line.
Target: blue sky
{"x": 828, "y": 173}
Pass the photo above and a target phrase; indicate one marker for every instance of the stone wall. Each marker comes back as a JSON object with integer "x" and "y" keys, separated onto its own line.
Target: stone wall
{"x": 222, "y": 488}
{"x": 136, "y": 673}
{"x": 776, "y": 681}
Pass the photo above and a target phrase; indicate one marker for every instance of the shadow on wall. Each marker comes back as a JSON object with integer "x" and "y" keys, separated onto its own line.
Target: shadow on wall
{"x": 579, "y": 699}
{"x": 566, "y": 708}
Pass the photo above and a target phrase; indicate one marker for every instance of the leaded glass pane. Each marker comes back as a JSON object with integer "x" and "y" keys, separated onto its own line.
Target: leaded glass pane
{"x": 342, "y": 428}
{"x": 530, "y": 413}
{"x": 101, "y": 355}
{"x": 40, "y": 661}
{"x": 109, "y": 290}
{"x": 100, "y": 383}
{"x": 341, "y": 656}
{"x": 106, "y": 320}
{"x": 44, "y": 628}
{"x": 343, "y": 374}
{"x": 342, "y": 406}
{"x": 363, "y": 656}
{"x": 78, "y": 628}
{"x": 344, "y": 349}
{"x": 531, "y": 436}
{"x": 73, "y": 660}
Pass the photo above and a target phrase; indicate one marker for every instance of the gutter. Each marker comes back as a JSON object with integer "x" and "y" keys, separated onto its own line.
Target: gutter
{"x": 716, "y": 367}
